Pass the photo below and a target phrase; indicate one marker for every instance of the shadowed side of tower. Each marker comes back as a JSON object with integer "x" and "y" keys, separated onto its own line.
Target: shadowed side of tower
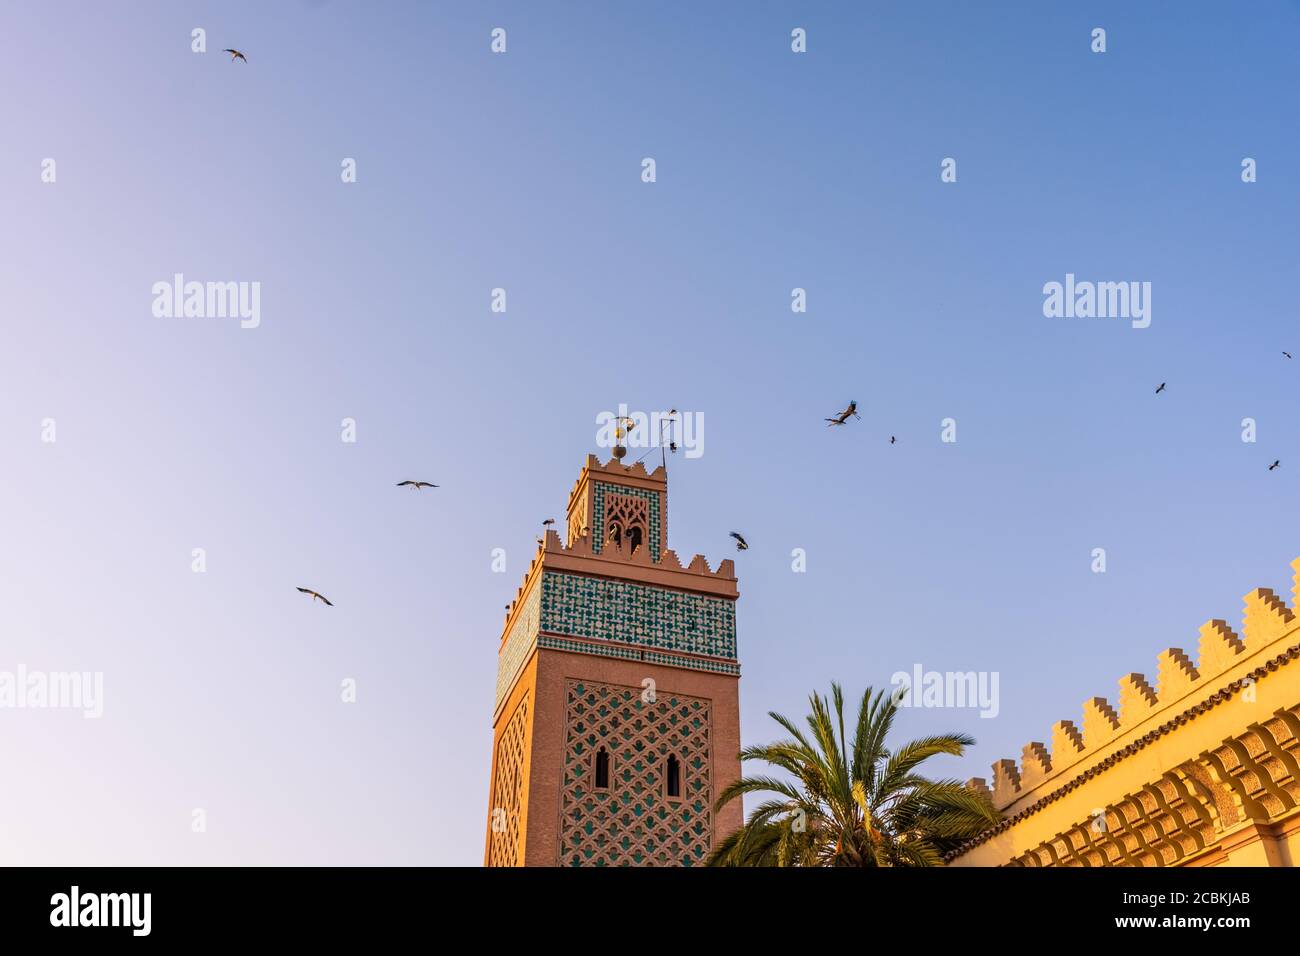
{"x": 616, "y": 723}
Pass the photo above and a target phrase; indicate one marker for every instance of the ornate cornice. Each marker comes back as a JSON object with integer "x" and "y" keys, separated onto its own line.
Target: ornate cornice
{"x": 1110, "y": 735}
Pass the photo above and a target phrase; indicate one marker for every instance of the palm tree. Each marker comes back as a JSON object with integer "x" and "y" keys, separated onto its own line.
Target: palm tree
{"x": 861, "y": 807}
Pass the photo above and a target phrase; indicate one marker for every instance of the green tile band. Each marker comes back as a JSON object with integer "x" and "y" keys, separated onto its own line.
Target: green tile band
{"x": 518, "y": 645}
{"x": 632, "y": 654}
{"x": 649, "y": 617}
{"x": 635, "y": 622}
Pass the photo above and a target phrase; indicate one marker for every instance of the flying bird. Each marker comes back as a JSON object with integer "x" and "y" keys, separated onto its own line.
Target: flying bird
{"x": 235, "y": 55}
{"x": 315, "y": 595}
{"x": 1275, "y": 464}
{"x": 843, "y": 416}
{"x": 741, "y": 543}
{"x": 893, "y": 440}
{"x": 1287, "y": 354}
{"x": 1161, "y": 388}
{"x": 417, "y": 485}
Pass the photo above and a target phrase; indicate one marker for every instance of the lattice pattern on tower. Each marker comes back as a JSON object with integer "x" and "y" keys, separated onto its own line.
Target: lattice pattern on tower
{"x": 508, "y": 790}
{"x": 634, "y": 822}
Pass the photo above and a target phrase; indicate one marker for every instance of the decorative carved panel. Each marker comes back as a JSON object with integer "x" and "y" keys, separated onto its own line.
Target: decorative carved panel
{"x": 634, "y": 822}
{"x": 508, "y": 790}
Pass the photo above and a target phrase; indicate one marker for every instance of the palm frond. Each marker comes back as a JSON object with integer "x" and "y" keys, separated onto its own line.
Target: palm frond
{"x": 851, "y": 802}
{"x": 913, "y": 754}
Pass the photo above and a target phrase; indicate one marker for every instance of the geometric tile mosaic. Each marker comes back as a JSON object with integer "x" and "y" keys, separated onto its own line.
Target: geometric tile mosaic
{"x": 692, "y": 663}
{"x": 596, "y": 650}
{"x": 641, "y": 622}
{"x": 635, "y": 654}
{"x": 518, "y": 645}
{"x": 638, "y": 614}
{"x": 633, "y": 821}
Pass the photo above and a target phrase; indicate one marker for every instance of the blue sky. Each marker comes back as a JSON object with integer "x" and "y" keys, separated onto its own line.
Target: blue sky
{"x": 522, "y": 171}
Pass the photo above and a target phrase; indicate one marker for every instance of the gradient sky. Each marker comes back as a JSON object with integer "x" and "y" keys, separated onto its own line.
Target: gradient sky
{"x": 522, "y": 171}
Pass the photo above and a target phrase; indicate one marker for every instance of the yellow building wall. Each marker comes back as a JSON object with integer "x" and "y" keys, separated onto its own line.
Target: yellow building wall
{"x": 1201, "y": 768}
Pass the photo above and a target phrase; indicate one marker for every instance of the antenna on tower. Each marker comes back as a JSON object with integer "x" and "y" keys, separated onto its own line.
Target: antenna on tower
{"x": 663, "y": 455}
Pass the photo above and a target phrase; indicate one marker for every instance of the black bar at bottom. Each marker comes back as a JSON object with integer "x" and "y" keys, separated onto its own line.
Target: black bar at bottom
{"x": 370, "y": 905}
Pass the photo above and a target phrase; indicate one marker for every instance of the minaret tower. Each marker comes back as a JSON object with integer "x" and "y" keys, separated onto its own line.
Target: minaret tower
{"x": 617, "y": 717}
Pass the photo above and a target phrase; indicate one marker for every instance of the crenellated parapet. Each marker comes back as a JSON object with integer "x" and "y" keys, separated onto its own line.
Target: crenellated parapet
{"x": 614, "y": 588}
{"x": 613, "y": 502}
{"x": 582, "y": 547}
{"x": 617, "y": 471}
{"x": 1107, "y": 732}
{"x": 638, "y": 565}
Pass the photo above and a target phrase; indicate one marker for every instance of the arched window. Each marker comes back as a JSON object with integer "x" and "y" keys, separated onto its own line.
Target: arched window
{"x": 626, "y": 519}
{"x": 673, "y": 777}
{"x": 602, "y": 769}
